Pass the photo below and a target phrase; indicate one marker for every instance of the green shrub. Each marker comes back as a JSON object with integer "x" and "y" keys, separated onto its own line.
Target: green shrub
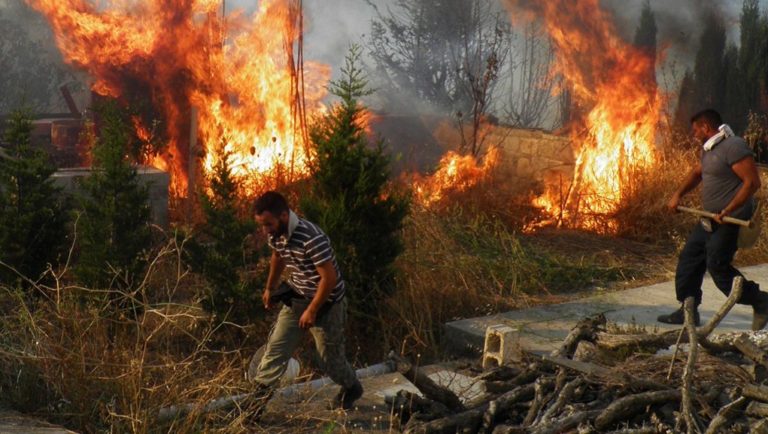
{"x": 219, "y": 251}
{"x": 113, "y": 232}
{"x": 33, "y": 214}
{"x": 350, "y": 196}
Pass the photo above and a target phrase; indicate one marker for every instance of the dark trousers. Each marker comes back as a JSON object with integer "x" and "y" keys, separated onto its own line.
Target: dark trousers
{"x": 713, "y": 252}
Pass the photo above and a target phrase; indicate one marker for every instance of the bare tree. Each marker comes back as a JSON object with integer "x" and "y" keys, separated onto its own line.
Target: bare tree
{"x": 444, "y": 55}
{"x": 533, "y": 89}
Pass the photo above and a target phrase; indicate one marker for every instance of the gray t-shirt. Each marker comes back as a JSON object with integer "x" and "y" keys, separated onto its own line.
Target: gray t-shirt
{"x": 719, "y": 182}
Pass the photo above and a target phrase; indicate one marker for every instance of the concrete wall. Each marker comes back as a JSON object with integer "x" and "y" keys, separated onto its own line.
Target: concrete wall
{"x": 157, "y": 180}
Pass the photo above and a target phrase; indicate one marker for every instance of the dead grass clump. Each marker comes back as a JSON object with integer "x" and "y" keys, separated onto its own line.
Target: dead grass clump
{"x": 643, "y": 214}
{"x": 458, "y": 265}
{"x": 93, "y": 367}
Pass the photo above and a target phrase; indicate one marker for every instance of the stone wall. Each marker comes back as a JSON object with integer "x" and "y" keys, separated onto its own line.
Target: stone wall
{"x": 533, "y": 154}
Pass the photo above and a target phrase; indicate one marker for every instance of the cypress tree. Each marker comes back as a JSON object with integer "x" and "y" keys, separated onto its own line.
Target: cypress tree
{"x": 646, "y": 33}
{"x": 219, "y": 252}
{"x": 32, "y": 211}
{"x": 113, "y": 231}
{"x": 350, "y": 197}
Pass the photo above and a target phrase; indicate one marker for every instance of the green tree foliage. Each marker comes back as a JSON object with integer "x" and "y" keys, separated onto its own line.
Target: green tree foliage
{"x": 708, "y": 77}
{"x": 113, "y": 230}
{"x": 219, "y": 250}
{"x": 350, "y": 197}
{"x": 32, "y": 212}
{"x": 733, "y": 79}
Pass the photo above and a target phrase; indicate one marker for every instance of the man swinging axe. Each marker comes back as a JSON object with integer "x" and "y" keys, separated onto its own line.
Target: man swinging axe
{"x": 729, "y": 179}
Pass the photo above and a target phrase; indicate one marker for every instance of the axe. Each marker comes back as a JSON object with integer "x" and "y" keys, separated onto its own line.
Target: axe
{"x": 749, "y": 231}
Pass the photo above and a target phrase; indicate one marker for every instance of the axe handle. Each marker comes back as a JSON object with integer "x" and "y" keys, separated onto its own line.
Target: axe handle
{"x": 702, "y": 213}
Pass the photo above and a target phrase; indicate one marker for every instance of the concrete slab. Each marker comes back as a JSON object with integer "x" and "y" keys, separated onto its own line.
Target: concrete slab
{"x": 309, "y": 410}
{"x": 542, "y": 329}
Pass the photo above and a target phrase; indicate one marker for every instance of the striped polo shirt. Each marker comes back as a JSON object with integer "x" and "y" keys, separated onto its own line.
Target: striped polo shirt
{"x": 303, "y": 248}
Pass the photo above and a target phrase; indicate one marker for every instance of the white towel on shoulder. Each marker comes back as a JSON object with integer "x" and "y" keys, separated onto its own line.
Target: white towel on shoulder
{"x": 724, "y": 131}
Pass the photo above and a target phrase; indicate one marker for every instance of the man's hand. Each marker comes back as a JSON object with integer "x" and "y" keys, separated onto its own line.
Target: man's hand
{"x": 265, "y": 298}
{"x": 719, "y": 217}
{"x": 307, "y": 319}
{"x": 674, "y": 201}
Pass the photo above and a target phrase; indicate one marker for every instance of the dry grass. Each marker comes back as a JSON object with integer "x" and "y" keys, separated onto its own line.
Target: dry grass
{"x": 458, "y": 266}
{"x": 93, "y": 367}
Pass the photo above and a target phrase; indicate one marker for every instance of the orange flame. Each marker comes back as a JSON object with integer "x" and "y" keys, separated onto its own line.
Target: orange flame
{"x": 455, "y": 173}
{"x": 236, "y": 73}
{"x": 615, "y": 81}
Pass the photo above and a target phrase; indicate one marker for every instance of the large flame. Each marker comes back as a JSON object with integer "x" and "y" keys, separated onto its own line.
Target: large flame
{"x": 455, "y": 174}
{"x": 613, "y": 80}
{"x": 231, "y": 81}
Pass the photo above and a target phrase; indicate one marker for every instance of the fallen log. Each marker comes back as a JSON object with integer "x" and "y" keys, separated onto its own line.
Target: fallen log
{"x": 407, "y": 404}
{"x": 758, "y": 393}
{"x": 592, "y": 369}
{"x": 471, "y": 419}
{"x": 750, "y": 350}
{"x": 726, "y": 415}
{"x": 757, "y": 409}
{"x": 627, "y": 406}
{"x": 585, "y": 329}
{"x": 542, "y": 395}
{"x": 503, "y": 403}
{"x": 691, "y": 424}
{"x": 565, "y": 424}
{"x": 426, "y": 385}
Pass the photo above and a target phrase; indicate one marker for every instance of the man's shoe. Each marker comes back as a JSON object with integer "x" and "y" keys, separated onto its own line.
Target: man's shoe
{"x": 347, "y": 396}
{"x": 678, "y": 317}
{"x": 760, "y": 309}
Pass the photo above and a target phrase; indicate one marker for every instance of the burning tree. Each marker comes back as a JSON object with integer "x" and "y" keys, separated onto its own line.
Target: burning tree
{"x": 211, "y": 79}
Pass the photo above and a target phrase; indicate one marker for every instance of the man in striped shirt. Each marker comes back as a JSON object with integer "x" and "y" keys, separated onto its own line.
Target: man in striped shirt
{"x": 313, "y": 299}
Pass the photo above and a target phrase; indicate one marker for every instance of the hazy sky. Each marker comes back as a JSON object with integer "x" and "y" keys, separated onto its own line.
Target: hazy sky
{"x": 334, "y": 24}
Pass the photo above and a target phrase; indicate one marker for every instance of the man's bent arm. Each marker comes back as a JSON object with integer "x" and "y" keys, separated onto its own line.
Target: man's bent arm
{"x": 276, "y": 267}
{"x": 746, "y": 170}
{"x": 691, "y": 181}
{"x": 327, "y": 282}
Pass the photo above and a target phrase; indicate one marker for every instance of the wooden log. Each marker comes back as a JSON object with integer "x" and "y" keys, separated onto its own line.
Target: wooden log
{"x": 686, "y": 387}
{"x": 614, "y": 342}
{"x": 503, "y": 403}
{"x": 624, "y": 408}
{"x": 592, "y": 369}
{"x": 426, "y": 385}
{"x": 759, "y": 427}
{"x": 644, "y": 430}
{"x": 750, "y": 350}
{"x": 733, "y": 297}
{"x": 753, "y": 391}
{"x": 563, "y": 398}
{"x": 506, "y": 429}
{"x": 542, "y": 395}
{"x": 585, "y": 329}
{"x": 471, "y": 419}
{"x": 406, "y": 404}
{"x": 500, "y": 373}
{"x": 726, "y": 415}
{"x": 757, "y": 409}
{"x": 526, "y": 377}
{"x": 565, "y": 424}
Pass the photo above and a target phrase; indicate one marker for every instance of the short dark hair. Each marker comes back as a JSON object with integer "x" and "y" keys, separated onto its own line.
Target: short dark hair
{"x": 710, "y": 117}
{"x": 271, "y": 201}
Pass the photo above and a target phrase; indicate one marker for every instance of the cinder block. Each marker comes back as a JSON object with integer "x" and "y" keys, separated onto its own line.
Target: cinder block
{"x": 502, "y": 346}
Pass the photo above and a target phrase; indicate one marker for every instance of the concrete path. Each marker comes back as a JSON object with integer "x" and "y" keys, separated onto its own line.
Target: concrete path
{"x": 542, "y": 329}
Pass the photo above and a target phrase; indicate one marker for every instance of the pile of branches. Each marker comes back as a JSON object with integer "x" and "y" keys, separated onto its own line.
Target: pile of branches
{"x": 598, "y": 382}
